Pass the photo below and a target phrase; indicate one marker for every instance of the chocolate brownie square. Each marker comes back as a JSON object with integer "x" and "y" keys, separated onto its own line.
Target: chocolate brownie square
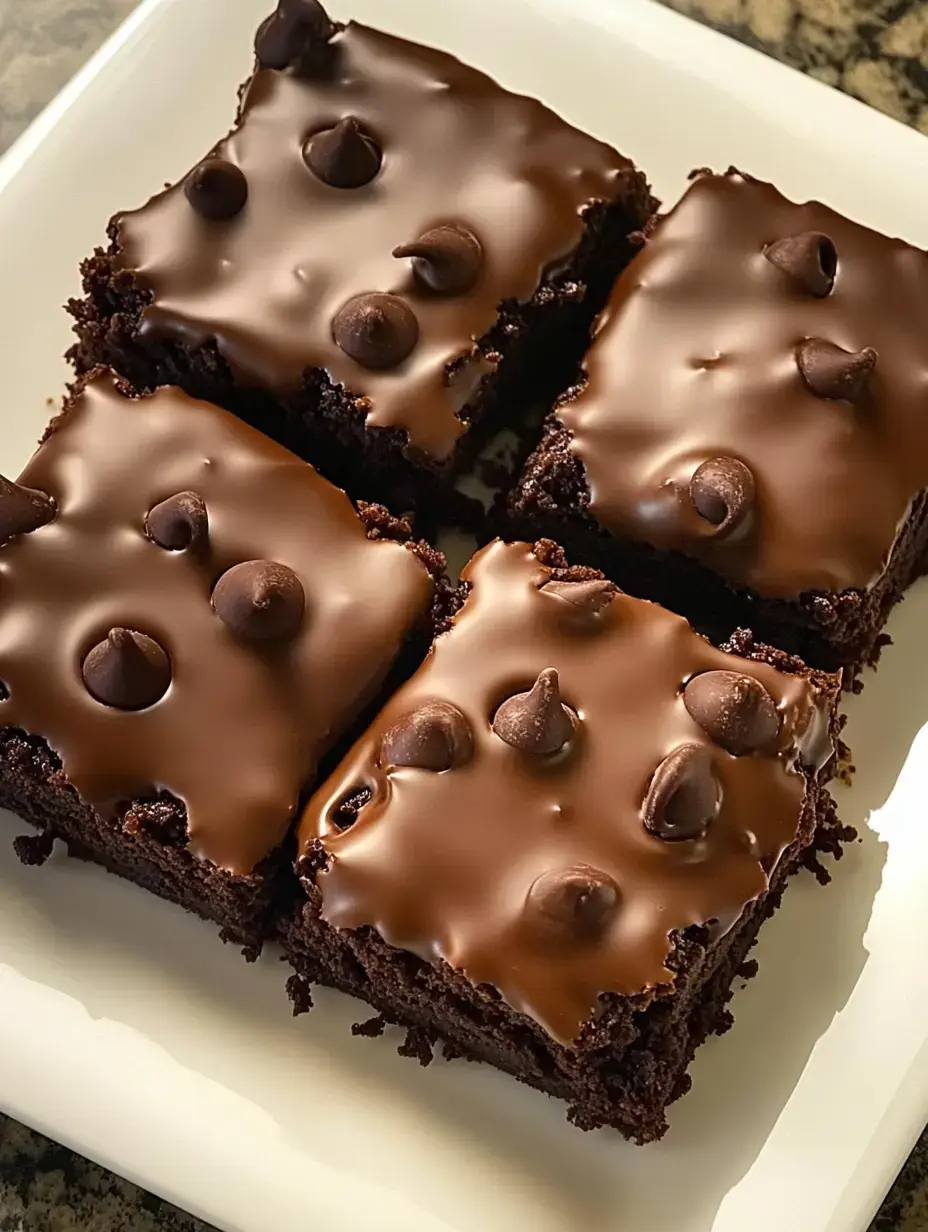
{"x": 191, "y": 618}
{"x": 555, "y": 845}
{"x": 750, "y": 442}
{"x": 383, "y": 262}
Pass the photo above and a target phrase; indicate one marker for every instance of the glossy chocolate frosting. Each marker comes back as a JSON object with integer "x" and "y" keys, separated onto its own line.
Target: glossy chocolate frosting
{"x": 98, "y": 619}
{"x": 364, "y": 152}
{"x": 556, "y": 867}
{"x": 784, "y": 337}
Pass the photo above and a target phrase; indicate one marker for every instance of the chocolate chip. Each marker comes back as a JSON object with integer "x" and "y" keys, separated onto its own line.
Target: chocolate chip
{"x": 447, "y": 259}
{"x": 723, "y": 492}
{"x": 343, "y": 156}
{"x": 735, "y": 710}
{"x": 436, "y": 737}
{"x": 179, "y": 522}
{"x": 809, "y": 258}
{"x": 22, "y": 509}
{"x": 291, "y": 35}
{"x": 127, "y": 670}
{"x": 345, "y": 813}
{"x": 831, "y": 372}
{"x": 163, "y": 820}
{"x": 578, "y": 902}
{"x": 590, "y": 597}
{"x": 260, "y": 600}
{"x": 825, "y": 611}
{"x": 536, "y": 721}
{"x": 684, "y": 796}
{"x": 376, "y": 330}
{"x": 216, "y": 189}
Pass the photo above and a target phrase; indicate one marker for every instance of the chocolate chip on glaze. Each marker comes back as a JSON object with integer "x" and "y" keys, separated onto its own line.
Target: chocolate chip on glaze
{"x": 22, "y": 510}
{"x": 127, "y": 670}
{"x": 830, "y": 371}
{"x": 684, "y": 796}
{"x": 377, "y": 330}
{"x": 446, "y": 259}
{"x": 216, "y": 189}
{"x": 436, "y": 737}
{"x": 536, "y": 721}
{"x": 181, "y": 521}
{"x": 575, "y": 903}
{"x": 589, "y": 598}
{"x": 723, "y": 492}
{"x": 290, "y": 36}
{"x": 343, "y": 156}
{"x": 735, "y": 710}
{"x": 260, "y": 600}
{"x": 810, "y": 259}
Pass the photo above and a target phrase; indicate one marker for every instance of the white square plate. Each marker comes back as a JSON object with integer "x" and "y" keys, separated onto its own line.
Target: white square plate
{"x": 129, "y": 1033}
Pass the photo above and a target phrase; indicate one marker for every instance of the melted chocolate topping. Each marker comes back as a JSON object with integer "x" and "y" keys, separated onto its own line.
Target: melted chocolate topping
{"x": 558, "y": 875}
{"x": 388, "y": 146}
{"x": 785, "y": 339}
{"x": 111, "y": 650}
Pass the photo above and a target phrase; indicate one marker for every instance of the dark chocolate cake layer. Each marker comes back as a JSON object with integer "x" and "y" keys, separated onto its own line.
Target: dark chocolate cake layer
{"x": 750, "y": 444}
{"x": 191, "y": 619}
{"x": 378, "y": 265}
{"x": 555, "y": 844}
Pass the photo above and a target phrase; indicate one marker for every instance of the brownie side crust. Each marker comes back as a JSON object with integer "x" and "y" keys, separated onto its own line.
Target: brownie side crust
{"x": 144, "y": 841}
{"x": 629, "y": 1060}
{"x": 751, "y": 408}
{"x": 166, "y": 703}
{"x": 502, "y": 296}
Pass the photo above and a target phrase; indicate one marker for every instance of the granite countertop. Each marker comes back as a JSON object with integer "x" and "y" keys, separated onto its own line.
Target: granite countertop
{"x": 876, "y": 50}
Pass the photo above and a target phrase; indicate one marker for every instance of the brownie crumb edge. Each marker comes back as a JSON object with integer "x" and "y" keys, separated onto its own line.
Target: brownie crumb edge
{"x": 34, "y": 849}
{"x": 370, "y": 1028}
{"x": 300, "y": 994}
{"x": 418, "y": 1045}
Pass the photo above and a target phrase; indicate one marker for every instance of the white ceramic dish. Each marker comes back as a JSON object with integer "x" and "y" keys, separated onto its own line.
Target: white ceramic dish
{"x": 129, "y": 1033}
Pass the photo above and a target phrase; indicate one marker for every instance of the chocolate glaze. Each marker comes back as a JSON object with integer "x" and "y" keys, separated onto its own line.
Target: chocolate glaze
{"x": 457, "y": 149}
{"x": 697, "y": 356}
{"x": 444, "y": 863}
{"x": 240, "y": 729}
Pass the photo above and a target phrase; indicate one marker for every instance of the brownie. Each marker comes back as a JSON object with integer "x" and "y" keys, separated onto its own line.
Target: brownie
{"x": 386, "y": 260}
{"x": 555, "y": 845}
{"x": 192, "y": 617}
{"x": 750, "y": 444}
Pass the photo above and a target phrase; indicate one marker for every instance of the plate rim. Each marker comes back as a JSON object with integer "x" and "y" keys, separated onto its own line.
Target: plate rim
{"x": 910, "y": 1104}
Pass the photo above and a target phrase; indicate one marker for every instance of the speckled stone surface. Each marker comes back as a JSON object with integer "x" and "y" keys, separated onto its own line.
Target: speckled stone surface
{"x": 45, "y": 1188}
{"x": 42, "y": 44}
{"x": 874, "y": 49}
